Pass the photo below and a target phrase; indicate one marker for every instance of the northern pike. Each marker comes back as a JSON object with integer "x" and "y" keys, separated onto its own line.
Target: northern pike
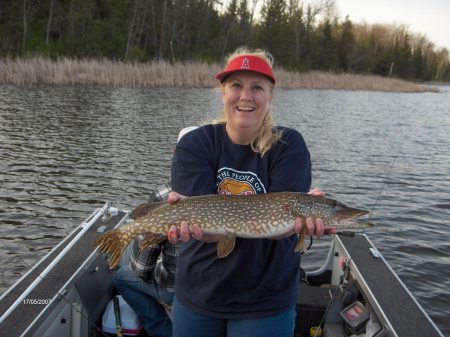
{"x": 267, "y": 216}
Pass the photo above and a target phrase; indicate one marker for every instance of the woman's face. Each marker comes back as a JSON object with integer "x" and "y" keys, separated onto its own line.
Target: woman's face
{"x": 247, "y": 97}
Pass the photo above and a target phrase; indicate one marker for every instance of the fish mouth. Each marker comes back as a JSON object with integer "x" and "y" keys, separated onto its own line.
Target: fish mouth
{"x": 344, "y": 213}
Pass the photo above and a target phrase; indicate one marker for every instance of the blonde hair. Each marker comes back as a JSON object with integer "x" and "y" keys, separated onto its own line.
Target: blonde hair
{"x": 267, "y": 135}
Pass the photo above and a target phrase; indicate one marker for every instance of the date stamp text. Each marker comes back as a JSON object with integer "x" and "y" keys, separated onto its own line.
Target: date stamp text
{"x": 42, "y": 301}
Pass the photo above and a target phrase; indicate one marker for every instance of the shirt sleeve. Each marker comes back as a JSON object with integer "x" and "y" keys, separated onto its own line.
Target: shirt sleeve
{"x": 290, "y": 165}
{"x": 143, "y": 262}
{"x": 193, "y": 170}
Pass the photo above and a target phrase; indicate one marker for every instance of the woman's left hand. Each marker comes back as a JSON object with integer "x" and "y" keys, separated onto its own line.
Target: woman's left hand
{"x": 313, "y": 226}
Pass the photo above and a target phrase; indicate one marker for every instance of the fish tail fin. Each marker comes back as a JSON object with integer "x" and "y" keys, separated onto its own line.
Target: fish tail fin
{"x": 114, "y": 244}
{"x": 300, "y": 245}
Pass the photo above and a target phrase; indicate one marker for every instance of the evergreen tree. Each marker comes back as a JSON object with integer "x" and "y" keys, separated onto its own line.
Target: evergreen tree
{"x": 326, "y": 48}
{"x": 298, "y": 35}
{"x": 274, "y": 29}
{"x": 346, "y": 45}
{"x": 418, "y": 64}
{"x": 404, "y": 61}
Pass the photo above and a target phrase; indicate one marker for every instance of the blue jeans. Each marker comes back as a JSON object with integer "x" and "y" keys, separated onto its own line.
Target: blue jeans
{"x": 144, "y": 297}
{"x": 186, "y": 322}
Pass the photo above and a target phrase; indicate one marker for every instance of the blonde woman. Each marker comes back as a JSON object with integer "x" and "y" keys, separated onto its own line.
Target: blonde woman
{"x": 253, "y": 291}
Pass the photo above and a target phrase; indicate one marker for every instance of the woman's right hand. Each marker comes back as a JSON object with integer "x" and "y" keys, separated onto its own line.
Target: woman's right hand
{"x": 184, "y": 233}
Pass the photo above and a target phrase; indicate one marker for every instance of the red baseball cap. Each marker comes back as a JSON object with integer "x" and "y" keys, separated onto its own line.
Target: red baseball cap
{"x": 247, "y": 63}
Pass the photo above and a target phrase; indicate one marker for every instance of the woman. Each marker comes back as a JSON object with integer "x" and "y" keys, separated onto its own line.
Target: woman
{"x": 253, "y": 291}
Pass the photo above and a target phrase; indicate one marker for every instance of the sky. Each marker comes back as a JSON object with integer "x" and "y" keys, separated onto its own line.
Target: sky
{"x": 430, "y": 17}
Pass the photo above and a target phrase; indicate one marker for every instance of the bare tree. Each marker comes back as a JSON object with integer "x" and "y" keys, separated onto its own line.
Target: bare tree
{"x": 131, "y": 29}
{"x": 162, "y": 37}
{"x": 252, "y": 11}
{"x": 49, "y": 22}
{"x": 298, "y": 26}
{"x": 24, "y": 22}
{"x": 143, "y": 21}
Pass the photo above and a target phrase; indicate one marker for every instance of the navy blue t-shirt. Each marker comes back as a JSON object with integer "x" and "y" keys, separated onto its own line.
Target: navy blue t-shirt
{"x": 260, "y": 277}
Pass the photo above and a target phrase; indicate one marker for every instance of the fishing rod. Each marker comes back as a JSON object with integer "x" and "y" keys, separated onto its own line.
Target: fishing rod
{"x": 390, "y": 169}
{"x": 395, "y": 159}
{"x": 316, "y": 331}
{"x": 117, "y": 316}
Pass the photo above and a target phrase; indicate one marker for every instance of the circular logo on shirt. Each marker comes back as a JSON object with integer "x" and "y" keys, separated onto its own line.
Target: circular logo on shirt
{"x": 234, "y": 182}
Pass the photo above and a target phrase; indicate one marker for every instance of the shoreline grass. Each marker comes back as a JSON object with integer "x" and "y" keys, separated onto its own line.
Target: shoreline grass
{"x": 67, "y": 71}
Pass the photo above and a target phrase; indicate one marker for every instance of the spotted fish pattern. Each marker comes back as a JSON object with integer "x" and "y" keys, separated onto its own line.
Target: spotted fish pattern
{"x": 270, "y": 215}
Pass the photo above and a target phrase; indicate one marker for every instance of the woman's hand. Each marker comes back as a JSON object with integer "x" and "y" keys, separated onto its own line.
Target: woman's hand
{"x": 185, "y": 232}
{"x": 313, "y": 227}
{"x": 316, "y": 192}
{"x": 173, "y": 234}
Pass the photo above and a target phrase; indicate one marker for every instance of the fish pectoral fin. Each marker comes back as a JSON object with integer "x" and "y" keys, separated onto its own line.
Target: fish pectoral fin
{"x": 151, "y": 239}
{"x": 300, "y": 245}
{"x": 226, "y": 245}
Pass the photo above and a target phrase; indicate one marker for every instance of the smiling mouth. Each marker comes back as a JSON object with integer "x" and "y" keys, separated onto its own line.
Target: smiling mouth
{"x": 245, "y": 108}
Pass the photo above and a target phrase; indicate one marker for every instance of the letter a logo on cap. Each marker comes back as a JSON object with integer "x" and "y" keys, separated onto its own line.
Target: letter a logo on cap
{"x": 245, "y": 64}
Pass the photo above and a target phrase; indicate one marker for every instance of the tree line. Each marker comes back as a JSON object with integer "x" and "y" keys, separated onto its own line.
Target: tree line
{"x": 301, "y": 36}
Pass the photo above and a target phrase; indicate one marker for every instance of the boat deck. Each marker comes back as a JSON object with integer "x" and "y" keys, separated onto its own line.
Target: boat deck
{"x": 30, "y": 307}
{"x": 72, "y": 267}
{"x": 399, "y": 307}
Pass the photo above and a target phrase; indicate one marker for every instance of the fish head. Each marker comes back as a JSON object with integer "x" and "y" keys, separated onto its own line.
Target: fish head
{"x": 345, "y": 213}
{"x": 346, "y": 218}
{"x": 331, "y": 211}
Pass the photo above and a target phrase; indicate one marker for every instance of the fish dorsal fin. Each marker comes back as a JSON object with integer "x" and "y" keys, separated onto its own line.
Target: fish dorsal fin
{"x": 300, "y": 245}
{"x": 226, "y": 245}
{"x": 144, "y": 209}
{"x": 151, "y": 239}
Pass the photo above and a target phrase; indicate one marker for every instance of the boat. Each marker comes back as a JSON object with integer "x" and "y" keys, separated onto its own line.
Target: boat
{"x": 354, "y": 293}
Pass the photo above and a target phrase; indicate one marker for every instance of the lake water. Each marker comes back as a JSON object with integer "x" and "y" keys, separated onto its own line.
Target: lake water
{"x": 64, "y": 151}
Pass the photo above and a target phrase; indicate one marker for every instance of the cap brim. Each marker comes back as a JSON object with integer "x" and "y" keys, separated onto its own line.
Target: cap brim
{"x": 222, "y": 76}
{"x": 248, "y": 63}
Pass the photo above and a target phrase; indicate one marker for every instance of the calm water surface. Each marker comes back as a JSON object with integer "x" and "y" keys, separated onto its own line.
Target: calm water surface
{"x": 66, "y": 150}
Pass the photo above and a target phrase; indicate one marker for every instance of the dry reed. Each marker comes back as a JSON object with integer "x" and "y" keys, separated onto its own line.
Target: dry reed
{"x": 67, "y": 71}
